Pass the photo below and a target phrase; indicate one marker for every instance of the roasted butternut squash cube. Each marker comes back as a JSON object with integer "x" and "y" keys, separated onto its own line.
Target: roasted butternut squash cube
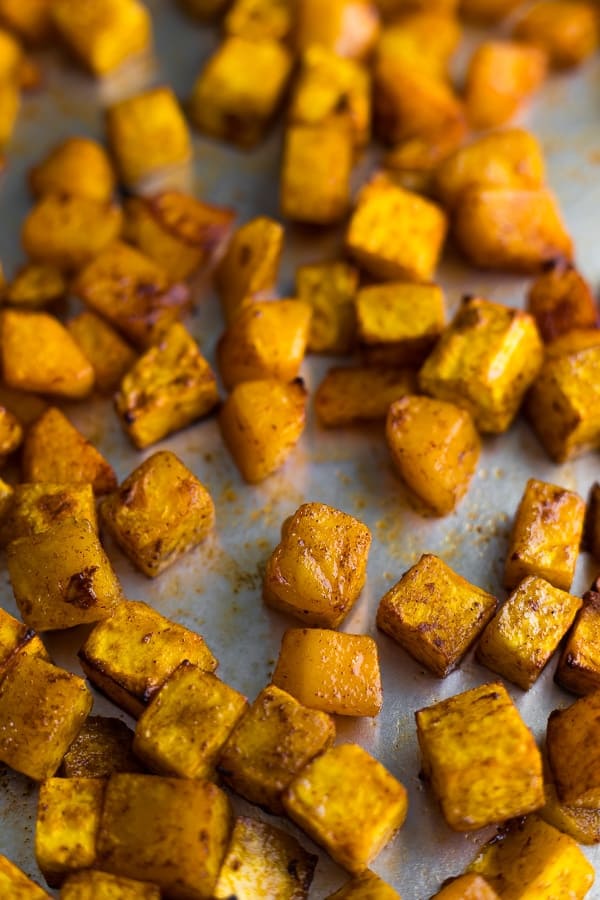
{"x": 527, "y": 630}
{"x": 566, "y": 30}
{"x": 330, "y": 290}
{"x": 102, "y": 747}
{"x": 250, "y": 264}
{"x": 435, "y": 449}
{"x": 62, "y": 577}
{"x": 68, "y": 230}
{"x": 258, "y": 19}
{"x": 501, "y": 76}
{"x": 132, "y": 292}
{"x": 91, "y": 885}
{"x": 110, "y": 356}
{"x": 581, "y": 824}
{"x": 16, "y": 638}
{"x": 546, "y": 535}
{"x": 435, "y": 614}
{"x": 318, "y": 570}
{"x": 11, "y": 434}
{"x": 169, "y": 387}
{"x": 354, "y": 394}
{"x": 487, "y": 12}
{"x": 10, "y": 102}
{"x": 272, "y": 742}
{"x": 578, "y": 669}
{"x": 187, "y": 723}
{"x": 315, "y": 174}
{"x": 240, "y": 88}
{"x": 130, "y": 656}
{"x": 25, "y": 407}
{"x": 37, "y": 506}
{"x": 170, "y": 831}
{"x": 395, "y": 234}
{"x": 348, "y": 803}
{"x": 480, "y": 758}
{"x": 14, "y": 883}
{"x": 68, "y": 818}
{"x": 30, "y": 19}
{"x": 261, "y": 423}
{"x": 414, "y": 160}
{"x": 347, "y": 27}
{"x": 263, "y": 861}
{"x": 484, "y": 362}
{"x": 55, "y": 451}
{"x": 39, "y": 354}
{"x": 533, "y": 861}
{"x": 572, "y": 342}
{"x": 561, "y": 301}
{"x": 42, "y": 709}
{"x": 467, "y": 887}
{"x": 330, "y": 670}
{"x": 267, "y": 339}
{"x": 35, "y": 285}
{"x": 367, "y": 886}
{"x": 78, "y": 165}
{"x": 421, "y": 39}
{"x": 103, "y": 34}
{"x": 573, "y": 748}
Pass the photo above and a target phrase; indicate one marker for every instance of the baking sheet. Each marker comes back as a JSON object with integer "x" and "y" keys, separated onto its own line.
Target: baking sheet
{"x": 217, "y": 588}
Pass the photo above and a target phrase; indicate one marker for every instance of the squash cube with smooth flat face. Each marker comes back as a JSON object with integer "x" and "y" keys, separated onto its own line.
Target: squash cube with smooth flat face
{"x": 16, "y": 638}
{"x": 315, "y": 174}
{"x": 480, "y": 758}
{"x": 421, "y": 39}
{"x": 349, "y": 395}
{"x": 110, "y": 356}
{"x": 92, "y": 885}
{"x": 14, "y": 883}
{"x": 187, "y": 723}
{"x": 500, "y": 77}
{"x": 330, "y": 290}
{"x": 562, "y": 301}
{"x": 578, "y": 669}
{"x": 102, "y": 747}
{"x": 78, "y": 165}
{"x": 36, "y": 507}
{"x": 573, "y": 747}
{"x": 367, "y": 886}
{"x": 467, "y": 887}
{"x": 129, "y": 656}
{"x": 348, "y": 803}
{"x": 349, "y": 28}
{"x": 250, "y": 264}
{"x": 566, "y": 31}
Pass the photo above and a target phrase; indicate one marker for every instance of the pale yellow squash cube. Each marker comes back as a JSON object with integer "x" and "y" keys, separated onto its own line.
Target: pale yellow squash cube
{"x": 354, "y": 394}
{"x": 250, "y": 264}
{"x": 367, "y": 886}
{"x": 92, "y": 885}
{"x": 102, "y": 747}
{"x": 15, "y": 884}
{"x": 110, "y": 356}
{"x": 573, "y": 748}
{"x": 578, "y": 669}
{"x": 315, "y": 173}
{"x": 330, "y": 290}
{"x": 37, "y": 506}
{"x": 78, "y": 165}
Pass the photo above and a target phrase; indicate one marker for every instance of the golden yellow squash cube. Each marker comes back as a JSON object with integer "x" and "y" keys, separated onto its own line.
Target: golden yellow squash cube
{"x": 102, "y": 747}
{"x": 484, "y": 362}
{"x": 16, "y": 638}
{"x": 11, "y": 56}
{"x": 527, "y": 630}
{"x": 170, "y": 831}
{"x": 37, "y": 506}
{"x": 347, "y": 27}
{"x": 330, "y": 670}
{"x": 318, "y": 570}
{"x": 467, "y": 887}
{"x": 258, "y": 19}
{"x": 546, "y": 535}
{"x": 330, "y": 290}
{"x": 315, "y": 174}
{"x": 573, "y": 748}
{"x": 562, "y": 301}
{"x": 129, "y": 656}
{"x": 480, "y": 758}
{"x": 240, "y": 88}
{"x": 15, "y": 884}
{"x": 106, "y": 350}
{"x": 25, "y": 407}
{"x": 263, "y": 862}
{"x": 261, "y": 423}
{"x": 39, "y": 354}
{"x": 502, "y": 74}
{"x": 348, "y": 803}
{"x": 78, "y": 165}
{"x": 367, "y": 886}
{"x": 578, "y": 669}
{"x": 273, "y": 741}
{"x": 183, "y": 729}
{"x": 250, "y": 264}
{"x": 395, "y": 234}
{"x": 29, "y": 19}
{"x": 168, "y": 388}
{"x": 581, "y": 824}
{"x": 92, "y": 885}
{"x": 68, "y": 818}
{"x": 435, "y": 614}
{"x": 567, "y": 30}
{"x": 55, "y": 451}
{"x": 354, "y": 394}
{"x": 36, "y": 285}
{"x": 414, "y": 160}
{"x": 421, "y": 38}
{"x": 42, "y": 708}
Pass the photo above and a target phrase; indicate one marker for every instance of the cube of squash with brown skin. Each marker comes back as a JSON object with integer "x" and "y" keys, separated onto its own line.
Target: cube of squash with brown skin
{"x": 315, "y": 174}
{"x": 55, "y": 451}
{"x": 182, "y": 730}
{"x": 91, "y": 885}
{"x": 481, "y": 760}
{"x": 68, "y": 818}
{"x": 39, "y": 354}
{"x": 78, "y": 166}
{"x": 566, "y": 30}
{"x": 24, "y": 406}
{"x": 110, "y": 356}
{"x": 367, "y": 886}
{"x": 263, "y": 861}
{"x": 129, "y": 656}
{"x": 261, "y": 423}
{"x": 250, "y": 264}
{"x": 132, "y": 292}
{"x": 561, "y": 301}
{"x": 11, "y": 434}
{"x": 533, "y": 861}
{"x": 347, "y": 27}
{"x": 348, "y": 803}
{"x": 330, "y": 289}
{"x": 103, "y": 34}
{"x": 267, "y": 339}
{"x": 10, "y": 102}
{"x": 273, "y": 741}
{"x": 487, "y": 11}
{"x": 395, "y": 234}
{"x": 330, "y": 670}
{"x": 435, "y": 448}
{"x": 102, "y": 747}
{"x": 258, "y": 19}
{"x": 573, "y": 748}
{"x": 546, "y": 535}
{"x": 14, "y": 883}
{"x": 318, "y": 570}
{"x": 34, "y": 286}
{"x": 16, "y": 638}
{"x": 501, "y": 76}
{"x": 170, "y": 386}
{"x": 467, "y": 887}
{"x": 36, "y": 507}
{"x": 581, "y": 824}
{"x": 42, "y": 708}
{"x": 239, "y": 90}
{"x": 31, "y": 19}
{"x": 421, "y": 38}
{"x": 349, "y": 396}
{"x": 520, "y": 640}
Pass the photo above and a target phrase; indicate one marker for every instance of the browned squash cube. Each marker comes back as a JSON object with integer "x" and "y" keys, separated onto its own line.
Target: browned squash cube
{"x": 330, "y": 290}
{"x": 331, "y": 671}
{"x": 349, "y": 804}
{"x": 318, "y": 570}
{"x": 263, "y": 861}
{"x": 578, "y": 669}
{"x": 348, "y": 27}
{"x": 170, "y": 831}
{"x": 354, "y": 394}
{"x": 168, "y": 388}
{"x": 39, "y": 354}
{"x": 423, "y": 39}
{"x": 261, "y": 423}
{"x": 315, "y": 173}
{"x": 42, "y": 709}
{"x": 546, "y": 535}
{"x": 68, "y": 818}
{"x": 572, "y": 342}
{"x": 501, "y": 76}
{"x": 250, "y": 264}
{"x": 62, "y": 577}
{"x": 78, "y": 165}
{"x": 487, "y": 11}
{"x": 102, "y": 747}
{"x": 55, "y": 451}
{"x": 561, "y": 301}
{"x": 15, "y": 639}
{"x": 91, "y": 885}
{"x": 527, "y": 630}
{"x": 106, "y": 350}
{"x": 573, "y": 748}
{"x": 37, "y": 506}
{"x": 367, "y": 886}
{"x": 435, "y": 614}
{"x": 15, "y": 884}
{"x": 581, "y": 824}
{"x": 183, "y": 729}
{"x": 129, "y": 656}
{"x": 273, "y": 741}
{"x": 467, "y": 887}
{"x": 29, "y": 19}
{"x": 258, "y": 19}
{"x": 566, "y": 30}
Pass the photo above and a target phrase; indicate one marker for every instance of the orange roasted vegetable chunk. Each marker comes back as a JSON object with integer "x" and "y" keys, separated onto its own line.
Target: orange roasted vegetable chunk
{"x": 501, "y": 76}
